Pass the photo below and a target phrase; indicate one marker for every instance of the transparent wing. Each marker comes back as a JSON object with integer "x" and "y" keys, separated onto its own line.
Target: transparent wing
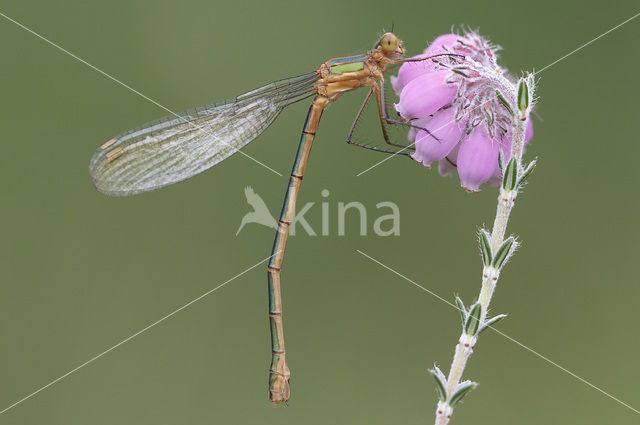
{"x": 177, "y": 147}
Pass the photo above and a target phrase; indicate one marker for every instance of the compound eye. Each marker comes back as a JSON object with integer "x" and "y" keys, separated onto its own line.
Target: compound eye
{"x": 389, "y": 42}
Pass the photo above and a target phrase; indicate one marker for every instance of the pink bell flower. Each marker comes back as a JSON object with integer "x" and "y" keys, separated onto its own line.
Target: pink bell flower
{"x": 455, "y": 99}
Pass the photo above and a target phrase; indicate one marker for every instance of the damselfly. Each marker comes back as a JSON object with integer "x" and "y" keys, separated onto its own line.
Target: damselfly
{"x": 178, "y": 147}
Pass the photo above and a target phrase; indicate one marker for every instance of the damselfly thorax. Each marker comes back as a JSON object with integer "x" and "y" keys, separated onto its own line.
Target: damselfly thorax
{"x": 341, "y": 75}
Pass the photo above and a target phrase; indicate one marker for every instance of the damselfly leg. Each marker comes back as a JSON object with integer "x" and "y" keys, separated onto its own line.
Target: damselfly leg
{"x": 357, "y": 118}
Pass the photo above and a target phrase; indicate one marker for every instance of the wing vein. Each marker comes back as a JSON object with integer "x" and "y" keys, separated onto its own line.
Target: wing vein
{"x": 171, "y": 149}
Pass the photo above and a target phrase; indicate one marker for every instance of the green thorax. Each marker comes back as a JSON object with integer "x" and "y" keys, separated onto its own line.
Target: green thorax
{"x": 350, "y": 64}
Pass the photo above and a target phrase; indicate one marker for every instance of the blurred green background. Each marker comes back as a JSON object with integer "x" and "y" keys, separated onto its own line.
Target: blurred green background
{"x": 80, "y": 272}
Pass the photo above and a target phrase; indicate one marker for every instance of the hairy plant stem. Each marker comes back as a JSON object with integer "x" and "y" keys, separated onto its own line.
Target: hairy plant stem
{"x": 464, "y": 347}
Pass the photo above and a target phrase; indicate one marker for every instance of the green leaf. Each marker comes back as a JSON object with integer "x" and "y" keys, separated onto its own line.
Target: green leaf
{"x": 473, "y": 320}
{"x": 523, "y": 95}
{"x": 485, "y": 247}
{"x": 503, "y": 253}
{"x": 527, "y": 171}
{"x": 459, "y": 72}
{"x": 440, "y": 383}
{"x": 504, "y": 102}
{"x": 462, "y": 390}
{"x": 462, "y": 310}
{"x": 510, "y": 178}
{"x": 490, "y": 117}
{"x": 490, "y": 322}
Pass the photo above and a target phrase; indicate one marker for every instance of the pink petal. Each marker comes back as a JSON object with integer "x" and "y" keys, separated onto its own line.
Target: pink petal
{"x": 395, "y": 84}
{"x": 477, "y": 159}
{"x": 445, "y": 165}
{"x": 448, "y": 40}
{"x": 528, "y": 135}
{"x": 447, "y": 134}
{"x": 425, "y": 94}
{"x": 445, "y": 168}
{"x": 409, "y": 71}
{"x": 496, "y": 178}
{"x": 413, "y": 131}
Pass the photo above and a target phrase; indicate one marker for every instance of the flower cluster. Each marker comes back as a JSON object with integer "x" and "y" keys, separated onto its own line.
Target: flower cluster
{"x": 461, "y": 107}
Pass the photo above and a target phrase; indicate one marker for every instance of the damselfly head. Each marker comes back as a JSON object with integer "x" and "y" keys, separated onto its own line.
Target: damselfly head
{"x": 391, "y": 46}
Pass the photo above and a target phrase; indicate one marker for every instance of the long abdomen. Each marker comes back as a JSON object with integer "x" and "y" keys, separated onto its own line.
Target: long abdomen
{"x": 279, "y": 372}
